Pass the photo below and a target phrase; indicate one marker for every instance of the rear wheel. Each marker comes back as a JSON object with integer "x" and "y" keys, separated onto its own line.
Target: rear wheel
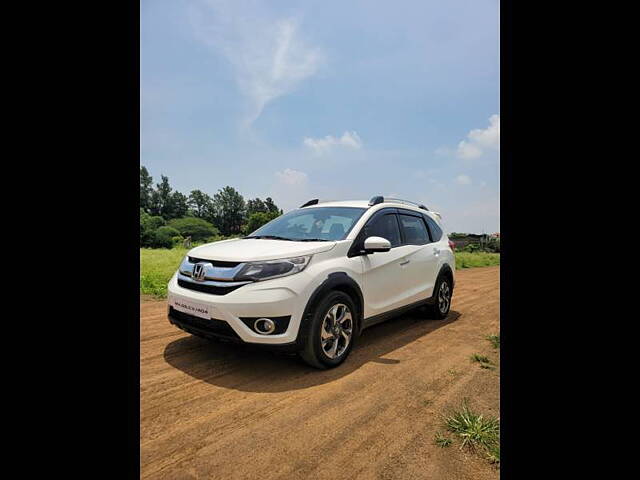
{"x": 442, "y": 293}
{"x": 331, "y": 334}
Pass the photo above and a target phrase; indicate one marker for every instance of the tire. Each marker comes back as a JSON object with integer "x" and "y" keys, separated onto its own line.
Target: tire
{"x": 443, "y": 292}
{"x": 320, "y": 349}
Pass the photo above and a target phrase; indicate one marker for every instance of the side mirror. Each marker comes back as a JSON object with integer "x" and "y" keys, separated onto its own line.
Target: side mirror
{"x": 376, "y": 244}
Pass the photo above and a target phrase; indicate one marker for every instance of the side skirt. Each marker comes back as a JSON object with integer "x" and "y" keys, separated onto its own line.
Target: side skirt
{"x": 368, "y": 322}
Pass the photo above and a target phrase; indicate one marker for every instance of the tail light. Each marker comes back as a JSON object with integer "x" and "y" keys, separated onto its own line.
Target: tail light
{"x": 452, "y": 245}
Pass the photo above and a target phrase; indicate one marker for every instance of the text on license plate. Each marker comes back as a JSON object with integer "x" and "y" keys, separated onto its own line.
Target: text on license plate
{"x": 192, "y": 308}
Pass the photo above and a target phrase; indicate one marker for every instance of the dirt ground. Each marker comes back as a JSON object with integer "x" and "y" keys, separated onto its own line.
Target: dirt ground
{"x": 213, "y": 410}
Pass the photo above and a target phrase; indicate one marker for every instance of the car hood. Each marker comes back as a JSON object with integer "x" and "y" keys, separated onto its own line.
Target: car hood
{"x": 252, "y": 249}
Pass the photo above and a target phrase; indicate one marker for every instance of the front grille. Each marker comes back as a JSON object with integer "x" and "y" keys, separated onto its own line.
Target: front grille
{"x": 215, "y": 327}
{"x": 215, "y": 263}
{"x": 199, "y": 287}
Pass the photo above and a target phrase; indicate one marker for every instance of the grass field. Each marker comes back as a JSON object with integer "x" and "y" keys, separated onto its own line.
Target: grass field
{"x": 476, "y": 259}
{"x": 158, "y": 265}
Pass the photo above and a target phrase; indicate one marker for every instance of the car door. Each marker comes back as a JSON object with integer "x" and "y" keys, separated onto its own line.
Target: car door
{"x": 384, "y": 280}
{"x": 421, "y": 255}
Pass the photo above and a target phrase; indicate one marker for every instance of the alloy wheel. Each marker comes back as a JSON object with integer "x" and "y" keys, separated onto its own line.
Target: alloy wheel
{"x": 336, "y": 330}
{"x": 444, "y": 297}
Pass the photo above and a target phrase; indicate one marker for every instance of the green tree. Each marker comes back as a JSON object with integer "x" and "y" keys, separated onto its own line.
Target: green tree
{"x": 148, "y": 227}
{"x": 258, "y": 219}
{"x": 179, "y": 206}
{"x": 200, "y": 204}
{"x": 256, "y": 205}
{"x": 271, "y": 206}
{"x": 144, "y": 232}
{"x": 168, "y": 203}
{"x": 155, "y": 222}
{"x": 161, "y": 199}
{"x": 229, "y": 207}
{"x": 146, "y": 189}
{"x": 196, "y": 228}
{"x": 165, "y": 237}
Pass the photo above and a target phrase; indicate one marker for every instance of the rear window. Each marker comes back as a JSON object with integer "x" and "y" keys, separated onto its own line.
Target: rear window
{"x": 436, "y": 231}
{"x": 414, "y": 230}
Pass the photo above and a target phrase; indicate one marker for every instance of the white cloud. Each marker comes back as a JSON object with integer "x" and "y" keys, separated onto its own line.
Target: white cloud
{"x": 292, "y": 177}
{"x": 479, "y": 140}
{"x": 468, "y": 150}
{"x": 268, "y": 56}
{"x": 320, "y": 146}
{"x": 463, "y": 180}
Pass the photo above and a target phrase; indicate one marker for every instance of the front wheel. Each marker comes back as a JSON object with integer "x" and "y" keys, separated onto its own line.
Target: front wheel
{"x": 332, "y": 330}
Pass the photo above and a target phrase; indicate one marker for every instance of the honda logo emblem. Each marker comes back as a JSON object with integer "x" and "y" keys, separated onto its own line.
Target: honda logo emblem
{"x": 198, "y": 272}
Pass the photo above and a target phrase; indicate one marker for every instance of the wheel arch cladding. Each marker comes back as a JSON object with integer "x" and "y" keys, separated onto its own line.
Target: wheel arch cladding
{"x": 448, "y": 273}
{"x": 337, "y": 281}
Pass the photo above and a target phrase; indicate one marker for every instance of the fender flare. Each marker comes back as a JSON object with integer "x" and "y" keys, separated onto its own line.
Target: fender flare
{"x": 446, "y": 269}
{"x": 340, "y": 281}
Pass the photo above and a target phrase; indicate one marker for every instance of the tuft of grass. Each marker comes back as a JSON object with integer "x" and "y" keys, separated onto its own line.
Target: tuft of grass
{"x": 475, "y": 430}
{"x": 479, "y": 358}
{"x": 157, "y": 266}
{"x": 476, "y": 259}
{"x": 493, "y": 453}
{"x": 442, "y": 441}
{"x": 483, "y": 361}
{"x": 495, "y": 340}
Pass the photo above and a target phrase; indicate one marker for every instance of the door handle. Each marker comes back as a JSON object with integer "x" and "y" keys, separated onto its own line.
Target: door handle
{"x": 436, "y": 251}
{"x": 405, "y": 262}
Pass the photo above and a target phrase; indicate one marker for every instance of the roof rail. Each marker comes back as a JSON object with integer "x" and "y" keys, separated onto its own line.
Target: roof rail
{"x": 310, "y": 202}
{"x": 376, "y": 200}
{"x": 380, "y": 199}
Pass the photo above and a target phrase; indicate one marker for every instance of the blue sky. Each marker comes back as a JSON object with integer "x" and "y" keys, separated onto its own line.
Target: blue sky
{"x": 331, "y": 99}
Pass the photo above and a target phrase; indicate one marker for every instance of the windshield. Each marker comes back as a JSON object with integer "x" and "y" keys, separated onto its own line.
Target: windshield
{"x": 311, "y": 224}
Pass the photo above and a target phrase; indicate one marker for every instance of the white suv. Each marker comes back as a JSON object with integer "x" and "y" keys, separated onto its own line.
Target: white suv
{"x": 311, "y": 280}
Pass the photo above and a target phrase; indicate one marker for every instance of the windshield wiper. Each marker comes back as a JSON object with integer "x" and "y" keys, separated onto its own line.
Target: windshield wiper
{"x": 312, "y": 240}
{"x": 270, "y": 237}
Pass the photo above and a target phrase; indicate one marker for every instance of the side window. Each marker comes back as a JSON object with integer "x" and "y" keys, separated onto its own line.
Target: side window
{"x": 414, "y": 230}
{"x": 385, "y": 226}
{"x": 436, "y": 231}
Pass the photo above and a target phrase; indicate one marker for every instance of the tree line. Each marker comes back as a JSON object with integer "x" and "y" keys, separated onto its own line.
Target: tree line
{"x": 167, "y": 216}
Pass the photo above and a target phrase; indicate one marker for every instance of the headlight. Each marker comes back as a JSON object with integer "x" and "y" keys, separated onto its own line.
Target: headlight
{"x": 257, "y": 271}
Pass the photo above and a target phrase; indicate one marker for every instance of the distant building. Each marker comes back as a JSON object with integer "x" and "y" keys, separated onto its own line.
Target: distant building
{"x": 462, "y": 240}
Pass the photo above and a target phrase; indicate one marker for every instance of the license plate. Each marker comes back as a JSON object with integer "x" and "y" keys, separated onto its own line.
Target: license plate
{"x": 192, "y": 308}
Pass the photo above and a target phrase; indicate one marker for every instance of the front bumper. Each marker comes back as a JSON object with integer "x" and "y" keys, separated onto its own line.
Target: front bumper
{"x": 219, "y": 330}
{"x": 283, "y": 297}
